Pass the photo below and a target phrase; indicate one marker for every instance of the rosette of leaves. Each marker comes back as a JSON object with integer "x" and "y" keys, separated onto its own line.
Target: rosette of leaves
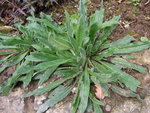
{"x": 79, "y": 51}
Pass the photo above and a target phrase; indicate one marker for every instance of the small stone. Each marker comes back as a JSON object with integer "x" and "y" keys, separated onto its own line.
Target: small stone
{"x": 108, "y": 108}
{"x": 146, "y": 57}
{"x": 126, "y": 26}
{"x": 38, "y": 101}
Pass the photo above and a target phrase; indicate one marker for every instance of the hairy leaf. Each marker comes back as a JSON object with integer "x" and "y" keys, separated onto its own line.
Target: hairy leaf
{"x": 84, "y": 92}
{"x": 56, "y": 96}
{"x": 127, "y": 64}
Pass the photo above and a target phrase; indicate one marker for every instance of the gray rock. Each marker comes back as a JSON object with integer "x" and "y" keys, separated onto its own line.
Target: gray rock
{"x": 12, "y": 103}
{"x": 108, "y": 107}
{"x": 60, "y": 108}
{"x": 146, "y": 105}
{"x": 146, "y": 57}
{"x": 129, "y": 106}
{"x": 38, "y": 101}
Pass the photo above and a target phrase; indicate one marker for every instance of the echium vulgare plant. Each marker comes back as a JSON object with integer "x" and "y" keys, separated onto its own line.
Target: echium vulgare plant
{"x": 78, "y": 51}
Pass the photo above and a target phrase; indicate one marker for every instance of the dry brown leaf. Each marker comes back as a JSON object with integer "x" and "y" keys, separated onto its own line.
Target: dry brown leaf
{"x": 6, "y": 29}
{"x": 100, "y": 94}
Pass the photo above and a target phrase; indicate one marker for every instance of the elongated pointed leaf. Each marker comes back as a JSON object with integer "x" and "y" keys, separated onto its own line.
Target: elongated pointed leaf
{"x": 95, "y": 23}
{"x": 39, "y": 48}
{"x": 97, "y": 108}
{"x": 16, "y": 42}
{"x": 56, "y": 96}
{"x": 48, "y": 23}
{"x": 46, "y": 75}
{"x": 69, "y": 25}
{"x": 15, "y": 60}
{"x": 106, "y": 53}
{"x": 101, "y": 39}
{"x": 103, "y": 78}
{"x": 40, "y": 56}
{"x": 26, "y": 79}
{"x": 76, "y": 101}
{"x": 123, "y": 41}
{"x": 111, "y": 22}
{"x": 7, "y": 52}
{"x": 125, "y": 78}
{"x": 4, "y": 36}
{"x": 125, "y": 93}
{"x": 133, "y": 47}
{"x": 127, "y": 64}
{"x": 45, "y": 65}
{"x": 90, "y": 107}
{"x": 82, "y": 28}
{"x": 84, "y": 92}
{"x": 59, "y": 43}
{"x": 22, "y": 69}
{"x": 49, "y": 87}
{"x": 96, "y": 101}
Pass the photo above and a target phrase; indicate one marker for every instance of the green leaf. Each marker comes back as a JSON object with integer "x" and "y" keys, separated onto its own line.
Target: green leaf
{"x": 41, "y": 56}
{"x": 126, "y": 40}
{"x": 84, "y": 91}
{"x": 95, "y": 23}
{"x": 23, "y": 30}
{"x": 82, "y": 9}
{"x": 7, "y": 52}
{"x": 112, "y": 22}
{"x": 145, "y": 39}
{"x": 15, "y": 60}
{"x": 90, "y": 107}
{"x": 65, "y": 72}
{"x": 46, "y": 75}
{"x": 5, "y": 37}
{"x": 125, "y": 78}
{"x": 37, "y": 29}
{"x": 24, "y": 68}
{"x": 49, "y": 87}
{"x": 129, "y": 56}
{"x": 76, "y": 101}
{"x": 96, "y": 101}
{"x": 125, "y": 93}
{"x": 127, "y": 64}
{"x": 59, "y": 43}
{"x": 48, "y": 23}
{"x": 133, "y": 47}
{"x": 103, "y": 78}
{"x": 56, "y": 96}
{"x": 45, "y": 65}
{"x": 39, "y": 48}
{"x": 106, "y": 53}
{"x": 82, "y": 28}
{"x": 27, "y": 79}
{"x": 101, "y": 39}
{"x": 97, "y": 108}
{"x": 17, "y": 42}
{"x": 69, "y": 25}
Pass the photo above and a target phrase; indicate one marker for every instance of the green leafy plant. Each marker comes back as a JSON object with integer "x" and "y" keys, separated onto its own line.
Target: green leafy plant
{"x": 134, "y": 2}
{"x": 79, "y": 51}
{"x": 135, "y": 11}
